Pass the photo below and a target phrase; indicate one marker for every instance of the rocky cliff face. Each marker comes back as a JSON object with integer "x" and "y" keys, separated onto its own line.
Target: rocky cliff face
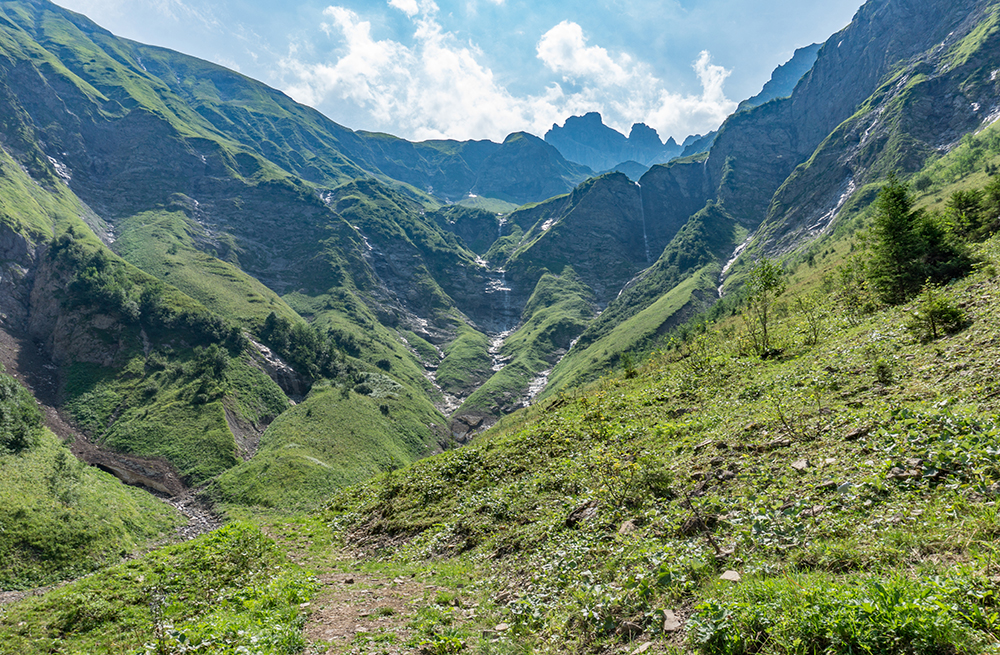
{"x": 526, "y": 169}
{"x": 671, "y": 194}
{"x": 756, "y": 150}
{"x": 934, "y": 97}
{"x": 599, "y": 231}
{"x": 17, "y": 264}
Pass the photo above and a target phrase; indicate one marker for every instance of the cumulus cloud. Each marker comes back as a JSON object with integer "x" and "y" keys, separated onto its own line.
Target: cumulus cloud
{"x": 438, "y": 87}
{"x": 408, "y": 7}
{"x": 709, "y": 108}
{"x": 564, "y": 50}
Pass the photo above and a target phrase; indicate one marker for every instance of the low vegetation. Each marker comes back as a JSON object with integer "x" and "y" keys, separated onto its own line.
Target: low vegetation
{"x": 174, "y": 404}
{"x": 232, "y": 591}
{"x": 337, "y": 436}
{"x": 837, "y": 495}
{"x": 808, "y": 465}
{"x": 58, "y": 517}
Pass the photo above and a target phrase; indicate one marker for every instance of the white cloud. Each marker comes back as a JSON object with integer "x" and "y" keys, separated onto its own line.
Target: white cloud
{"x": 438, "y": 87}
{"x": 708, "y": 109}
{"x": 564, "y": 50}
{"x": 408, "y": 7}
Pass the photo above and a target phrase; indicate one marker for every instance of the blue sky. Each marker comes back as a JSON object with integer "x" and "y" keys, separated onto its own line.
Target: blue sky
{"x": 481, "y": 69}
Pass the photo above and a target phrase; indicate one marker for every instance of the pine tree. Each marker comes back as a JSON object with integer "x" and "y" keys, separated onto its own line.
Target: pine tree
{"x": 895, "y": 269}
{"x": 909, "y": 248}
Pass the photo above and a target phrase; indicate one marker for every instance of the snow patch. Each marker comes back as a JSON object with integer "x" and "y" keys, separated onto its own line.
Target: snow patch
{"x": 316, "y": 461}
{"x": 871, "y": 128}
{"x": 61, "y": 170}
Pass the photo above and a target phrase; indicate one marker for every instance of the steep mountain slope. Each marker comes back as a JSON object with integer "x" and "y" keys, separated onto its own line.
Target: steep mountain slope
{"x": 837, "y": 496}
{"x": 709, "y": 501}
{"x": 236, "y": 202}
{"x": 757, "y": 150}
{"x": 904, "y": 81}
{"x": 920, "y": 112}
{"x": 833, "y": 493}
{"x": 193, "y": 207}
{"x": 329, "y": 258}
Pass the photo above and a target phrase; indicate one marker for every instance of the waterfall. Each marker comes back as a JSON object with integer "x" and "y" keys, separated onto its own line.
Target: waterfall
{"x": 506, "y": 294}
{"x": 642, "y": 213}
{"x": 496, "y": 284}
{"x": 732, "y": 260}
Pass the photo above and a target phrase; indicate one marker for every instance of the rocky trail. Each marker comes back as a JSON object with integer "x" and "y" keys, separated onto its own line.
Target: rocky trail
{"x": 364, "y": 611}
{"x": 355, "y": 613}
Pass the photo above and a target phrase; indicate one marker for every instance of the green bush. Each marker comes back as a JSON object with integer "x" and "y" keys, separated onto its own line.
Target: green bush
{"x": 765, "y": 284}
{"x": 20, "y": 418}
{"x": 936, "y": 315}
{"x": 895, "y": 615}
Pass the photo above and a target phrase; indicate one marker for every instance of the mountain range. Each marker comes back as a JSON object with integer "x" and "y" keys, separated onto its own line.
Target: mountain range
{"x": 206, "y": 283}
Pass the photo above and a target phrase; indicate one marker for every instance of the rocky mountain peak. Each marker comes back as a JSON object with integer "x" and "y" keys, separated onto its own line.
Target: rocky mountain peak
{"x": 643, "y": 136}
{"x": 587, "y": 140}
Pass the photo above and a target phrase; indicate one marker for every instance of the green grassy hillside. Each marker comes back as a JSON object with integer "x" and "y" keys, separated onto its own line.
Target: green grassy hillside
{"x": 163, "y": 244}
{"x": 227, "y": 592}
{"x": 852, "y": 478}
{"x": 174, "y": 405}
{"x": 336, "y": 437}
{"x": 58, "y": 517}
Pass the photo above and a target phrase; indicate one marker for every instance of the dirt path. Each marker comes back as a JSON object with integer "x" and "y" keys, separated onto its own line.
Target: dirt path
{"x": 358, "y": 612}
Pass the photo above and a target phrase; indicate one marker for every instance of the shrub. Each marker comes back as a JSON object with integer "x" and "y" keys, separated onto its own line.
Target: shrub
{"x": 895, "y": 615}
{"x": 20, "y": 418}
{"x": 765, "y": 284}
{"x": 936, "y": 315}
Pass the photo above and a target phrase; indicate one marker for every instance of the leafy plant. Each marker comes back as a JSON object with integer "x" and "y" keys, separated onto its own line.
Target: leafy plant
{"x": 765, "y": 283}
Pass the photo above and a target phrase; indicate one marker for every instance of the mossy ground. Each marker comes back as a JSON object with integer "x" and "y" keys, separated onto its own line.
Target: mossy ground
{"x": 160, "y": 243}
{"x": 336, "y": 437}
{"x": 173, "y": 405}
